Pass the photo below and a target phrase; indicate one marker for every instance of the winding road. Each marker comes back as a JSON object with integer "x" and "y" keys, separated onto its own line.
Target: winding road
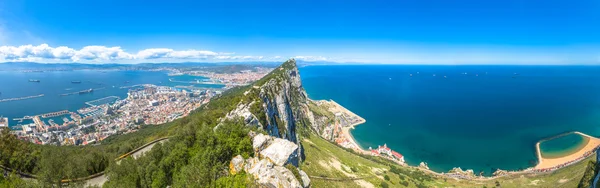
{"x": 100, "y": 178}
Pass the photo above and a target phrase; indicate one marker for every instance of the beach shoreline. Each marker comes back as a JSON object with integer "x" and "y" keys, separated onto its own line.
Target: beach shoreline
{"x": 550, "y": 163}
{"x": 545, "y": 165}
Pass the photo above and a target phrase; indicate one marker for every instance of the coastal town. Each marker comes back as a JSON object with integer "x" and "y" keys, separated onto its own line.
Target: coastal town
{"x": 148, "y": 104}
{"x": 145, "y": 104}
{"x": 230, "y": 80}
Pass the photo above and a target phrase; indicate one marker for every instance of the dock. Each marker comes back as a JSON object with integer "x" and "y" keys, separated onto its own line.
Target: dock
{"x": 91, "y": 103}
{"x": 82, "y": 92}
{"x": 126, "y": 87}
{"x": 21, "y": 98}
{"x": 54, "y": 114}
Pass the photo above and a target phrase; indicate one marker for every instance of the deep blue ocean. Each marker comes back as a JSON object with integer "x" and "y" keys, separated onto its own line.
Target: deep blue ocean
{"x": 491, "y": 117}
{"x": 52, "y": 84}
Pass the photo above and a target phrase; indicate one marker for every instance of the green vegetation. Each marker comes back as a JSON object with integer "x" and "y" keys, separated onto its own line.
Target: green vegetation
{"x": 294, "y": 171}
{"x": 195, "y": 155}
{"x": 321, "y": 111}
{"x": 588, "y": 176}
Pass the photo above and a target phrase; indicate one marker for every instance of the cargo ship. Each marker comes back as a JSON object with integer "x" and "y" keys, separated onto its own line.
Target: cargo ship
{"x": 76, "y": 82}
{"x": 86, "y": 91}
{"x": 32, "y": 80}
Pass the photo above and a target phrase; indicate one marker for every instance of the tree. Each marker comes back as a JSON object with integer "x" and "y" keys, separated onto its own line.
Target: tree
{"x": 384, "y": 184}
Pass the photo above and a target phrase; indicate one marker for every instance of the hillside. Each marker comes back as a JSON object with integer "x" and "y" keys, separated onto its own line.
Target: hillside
{"x": 267, "y": 134}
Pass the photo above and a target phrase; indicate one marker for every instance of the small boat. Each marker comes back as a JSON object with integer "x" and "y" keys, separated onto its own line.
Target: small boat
{"x": 76, "y": 82}
{"x": 32, "y": 80}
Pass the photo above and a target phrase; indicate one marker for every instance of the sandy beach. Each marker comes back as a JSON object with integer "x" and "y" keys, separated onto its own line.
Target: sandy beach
{"x": 345, "y": 139}
{"x": 545, "y": 163}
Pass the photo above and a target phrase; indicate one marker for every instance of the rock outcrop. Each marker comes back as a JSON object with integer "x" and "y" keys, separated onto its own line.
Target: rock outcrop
{"x": 268, "y": 168}
{"x": 242, "y": 111}
{"x": 423, "y": 165}
{"x": 279, "y": 151}
{"x": 467, "y": 174}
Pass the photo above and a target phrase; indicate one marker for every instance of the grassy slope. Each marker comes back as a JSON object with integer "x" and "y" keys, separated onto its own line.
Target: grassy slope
{"x": 322, "y": 158}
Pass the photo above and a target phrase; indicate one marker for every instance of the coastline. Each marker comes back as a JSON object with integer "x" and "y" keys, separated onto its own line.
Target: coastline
{"x": 552, "y": 163}
{"x": 545, "y": 165}
{"x": 346, "y": 130}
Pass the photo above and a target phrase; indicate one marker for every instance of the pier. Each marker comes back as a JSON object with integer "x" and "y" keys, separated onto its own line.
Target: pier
{"x": 126, "y": 87}
{"x": 21, "y": 98}
{"x": 54, "y": 114}
{"x": 82, "y": 92}
{"x": 92, "y": 103}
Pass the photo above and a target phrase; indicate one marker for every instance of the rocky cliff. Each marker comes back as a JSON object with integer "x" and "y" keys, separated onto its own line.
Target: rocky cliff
{"x": 277, "y": 104}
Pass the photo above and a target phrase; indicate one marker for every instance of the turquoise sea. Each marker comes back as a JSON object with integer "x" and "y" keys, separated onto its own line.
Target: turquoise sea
{"x": 562, "y": 145}
{"x": 489, "y": 118}
{"x": 53, "y": 84}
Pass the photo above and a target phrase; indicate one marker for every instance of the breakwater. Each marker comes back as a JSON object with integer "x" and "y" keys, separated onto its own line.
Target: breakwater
{"x": 21, "y": 98}
{"x": 95, "y": 102}
{"x": 54, "y": 114}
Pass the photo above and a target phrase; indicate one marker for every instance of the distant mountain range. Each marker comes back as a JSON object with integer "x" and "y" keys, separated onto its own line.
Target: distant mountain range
{"x": 74, "y": 66}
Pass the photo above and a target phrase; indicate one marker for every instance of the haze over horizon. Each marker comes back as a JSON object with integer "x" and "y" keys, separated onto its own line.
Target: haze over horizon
{"x": 407, "y": 32}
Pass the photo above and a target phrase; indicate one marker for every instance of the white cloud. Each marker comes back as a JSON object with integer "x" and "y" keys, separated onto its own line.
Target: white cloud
{"x": 46, "y": 53}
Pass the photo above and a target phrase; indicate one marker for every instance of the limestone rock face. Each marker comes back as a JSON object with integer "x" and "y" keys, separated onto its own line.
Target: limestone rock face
{"x": 467, "y": 173}
{"x": 268, "y": 174}
{"x": 279, "y": 151}
{"x": 236, "y": 165}
{"x": 268, "y": 170}
{"x": 259, "y": 142}
{"x": 305, "y": 179}
{"x": 242, "y": 111}
{"x": 423, "y": 165}
{"x": 500, "y": 172}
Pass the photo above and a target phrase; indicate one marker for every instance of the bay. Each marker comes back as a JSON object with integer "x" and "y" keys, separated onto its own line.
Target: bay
{"x": 477, "y": 117}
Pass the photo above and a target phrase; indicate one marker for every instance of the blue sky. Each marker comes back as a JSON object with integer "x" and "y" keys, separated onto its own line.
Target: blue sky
{"x": 405, "y": 31}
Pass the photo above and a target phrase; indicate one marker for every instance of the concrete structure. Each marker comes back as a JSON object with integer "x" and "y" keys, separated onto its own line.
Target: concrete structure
{"x": 3, "y": 122}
